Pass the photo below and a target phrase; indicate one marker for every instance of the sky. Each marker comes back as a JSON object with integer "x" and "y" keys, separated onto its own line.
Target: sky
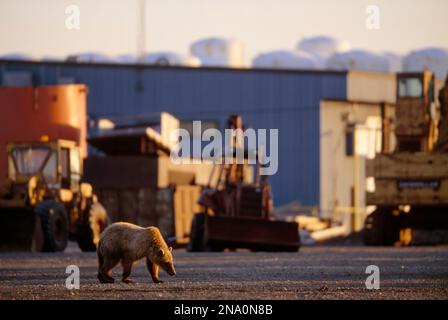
{"x": 37, "y": 27}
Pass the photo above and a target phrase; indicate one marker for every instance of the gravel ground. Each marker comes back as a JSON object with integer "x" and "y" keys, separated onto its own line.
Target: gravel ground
{"x": 319, "y": 272}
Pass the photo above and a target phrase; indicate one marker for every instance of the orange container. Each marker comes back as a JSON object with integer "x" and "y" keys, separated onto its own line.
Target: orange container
{"x": 29, "y": 113}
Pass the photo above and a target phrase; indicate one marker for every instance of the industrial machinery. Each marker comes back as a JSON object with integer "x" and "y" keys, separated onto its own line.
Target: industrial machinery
{"x": 136, "y": 180}
{"x": 236, "y": 213}
{"x": 411, "y": 182}
{"x": 43, "y": 202}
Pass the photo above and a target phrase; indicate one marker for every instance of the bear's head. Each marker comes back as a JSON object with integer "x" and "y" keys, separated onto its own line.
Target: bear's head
{"x": 164, "y": 258}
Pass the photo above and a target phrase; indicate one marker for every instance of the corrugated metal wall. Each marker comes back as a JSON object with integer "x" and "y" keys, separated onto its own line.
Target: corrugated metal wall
{"x": 267, "y": 99}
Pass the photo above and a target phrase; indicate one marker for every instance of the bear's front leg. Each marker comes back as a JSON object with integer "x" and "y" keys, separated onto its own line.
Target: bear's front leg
{"x": 153, "y": 270}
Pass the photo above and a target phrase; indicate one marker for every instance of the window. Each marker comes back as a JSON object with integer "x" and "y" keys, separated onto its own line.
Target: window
{"x": 11, "y": 169}
{"x": 75, "y": 161}
{"x": 64, "y": 167}
{"x": 50, "y": 172}
{"x": 29, "y": 160}
{"x": 410, "y": 87}
{"x": 75, "y": 168}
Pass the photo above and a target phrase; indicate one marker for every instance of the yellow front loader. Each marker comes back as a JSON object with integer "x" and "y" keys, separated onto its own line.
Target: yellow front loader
{"x": 411, "y": 182}
{"x": 44, "y": 203}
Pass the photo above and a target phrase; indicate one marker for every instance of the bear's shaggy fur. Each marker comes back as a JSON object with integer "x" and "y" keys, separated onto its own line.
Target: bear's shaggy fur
{"x": 129, "y": 243}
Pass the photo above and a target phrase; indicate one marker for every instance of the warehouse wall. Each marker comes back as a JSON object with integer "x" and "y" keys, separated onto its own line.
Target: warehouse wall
{"x": 287, "y": 100}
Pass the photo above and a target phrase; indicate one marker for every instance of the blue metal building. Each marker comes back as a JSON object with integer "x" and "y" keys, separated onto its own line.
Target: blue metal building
{"x": 283, "y": 99}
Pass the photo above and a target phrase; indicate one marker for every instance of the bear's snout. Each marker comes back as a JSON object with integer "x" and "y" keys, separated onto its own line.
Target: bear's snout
{"x": 170, "y": 270}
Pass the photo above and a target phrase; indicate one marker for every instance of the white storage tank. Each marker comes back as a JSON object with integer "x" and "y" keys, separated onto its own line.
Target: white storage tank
{"x": 394, "y": 60}
{"x": 323, "y": 46}
{"x": 50, "y": 58}
{"x": 18, "y": 56}
{"x": 285, "y": 59}
{"x": 432, "y": 59}
{"x": 219, "y": 52}
{"x": 358, "y": 60}
{"x": 170, "y": 59}
{"x": 125, "y": 59}
{"x": 89, "y": 57}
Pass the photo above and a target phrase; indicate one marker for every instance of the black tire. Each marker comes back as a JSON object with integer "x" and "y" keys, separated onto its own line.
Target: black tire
{"x": 55, "y": 225}
{"x": 196, "y": 243}
{"x": 380, "y": 228}
{"x": 92, "y": 223}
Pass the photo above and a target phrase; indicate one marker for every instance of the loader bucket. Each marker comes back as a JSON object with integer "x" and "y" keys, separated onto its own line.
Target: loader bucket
{"x": 19, "y": 229}
{"x": 251, "y": 233}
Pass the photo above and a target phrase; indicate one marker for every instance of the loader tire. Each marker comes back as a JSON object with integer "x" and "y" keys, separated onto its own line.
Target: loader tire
{"x": 92, "y": 223}
{"x": 196, "y": 243}
{"x": 55, "y": 225}
{"x": 380, "y": 228}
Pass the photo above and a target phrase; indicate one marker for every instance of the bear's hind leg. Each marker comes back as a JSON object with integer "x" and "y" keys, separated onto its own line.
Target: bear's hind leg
{"x": 127, "y": 268}
{"x": 100, "y": 266}
{"x": 104, "y": 273}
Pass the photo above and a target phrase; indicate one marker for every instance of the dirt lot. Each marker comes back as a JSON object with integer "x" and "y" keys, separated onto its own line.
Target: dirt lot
{"x": 321, "y": 272}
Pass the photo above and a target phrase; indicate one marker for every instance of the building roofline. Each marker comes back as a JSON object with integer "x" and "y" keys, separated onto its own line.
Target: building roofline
{"x": 358, "y": 102}
{"x": 156, "y": 67}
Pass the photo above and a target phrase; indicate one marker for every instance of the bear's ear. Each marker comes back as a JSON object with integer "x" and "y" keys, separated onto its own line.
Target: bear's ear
{"x": 160, "y": 253}
{"x": 171, "y": 249}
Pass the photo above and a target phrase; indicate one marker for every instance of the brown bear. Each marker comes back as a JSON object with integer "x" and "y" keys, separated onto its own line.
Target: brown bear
{"x": 128, "y": 243}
